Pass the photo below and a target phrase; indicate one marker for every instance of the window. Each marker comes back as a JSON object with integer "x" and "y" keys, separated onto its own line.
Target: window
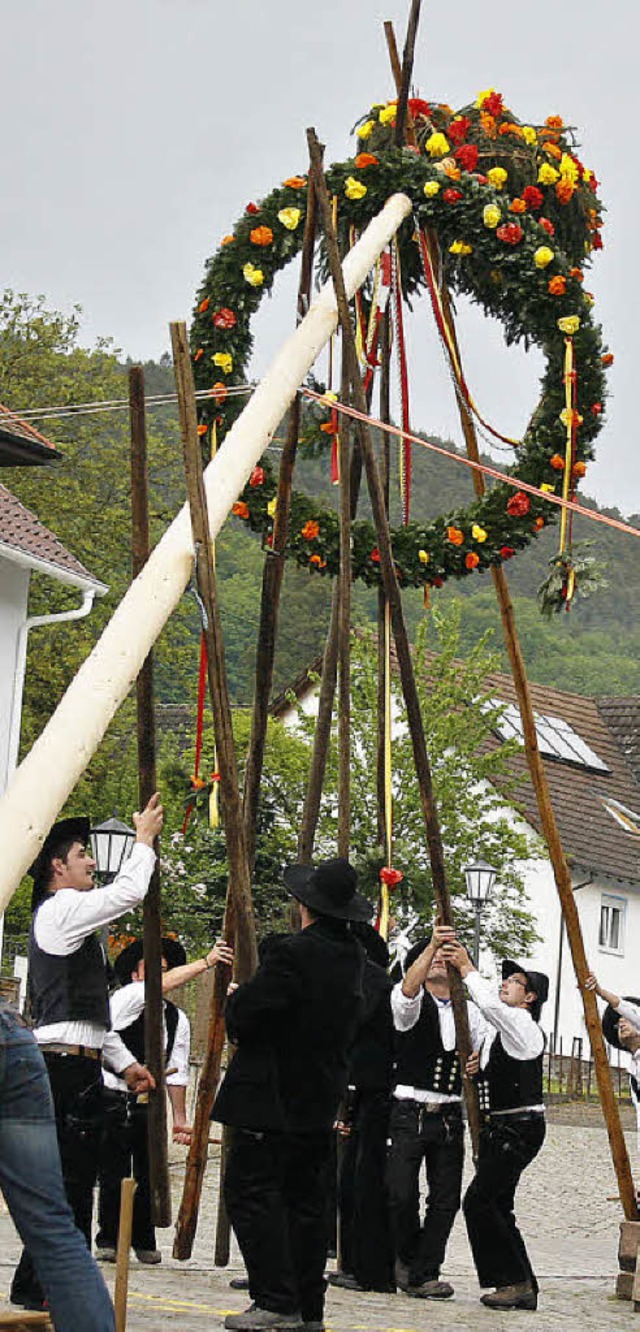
{"x": 556, "y": 738}
{"x": 612, "y": 919}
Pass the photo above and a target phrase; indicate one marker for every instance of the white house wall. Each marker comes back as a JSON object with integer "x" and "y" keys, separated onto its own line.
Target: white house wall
{"x": 14, "y": 592}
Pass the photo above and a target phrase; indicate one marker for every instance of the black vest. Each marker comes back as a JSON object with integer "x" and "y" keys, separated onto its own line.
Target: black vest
{"x": 134, "y": 1035}
{"x": 507, "y": 1083}
{"x": 71, "y": 988}
{"x": 421, "y": 1059}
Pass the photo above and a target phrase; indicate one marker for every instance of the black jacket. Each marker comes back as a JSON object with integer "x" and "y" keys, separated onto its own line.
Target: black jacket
{"x": 294, "y": 1024}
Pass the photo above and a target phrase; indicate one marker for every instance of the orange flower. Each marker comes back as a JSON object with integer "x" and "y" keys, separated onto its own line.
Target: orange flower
{"x": 508, "y": 128}
{"x": 555, "y": 122}
{"x": 295, "y": 183}
{"x": 240, "y": 509}
{"x": 451, "y": 170}
{"x": 557, "y": 462}
{"x": 577, "y": 274}
{"x": 318, "y": 561}
{"x": 202, "y": 430}
{"x": 328, "y": 428}
{"x": 204, "y": 305}
{"x": 219, "y": 393}
{"x": 553, "y": 150}
{"x": 366, "y": 159}
{"x": 517, "y": 206}
{"x": 579, "y": 469}
{"x": 197, "y": 355}
{"x": 472, "y": 560}
{"x": 539, "y": 523}
{"x": 557, "y": 285}
{"x": 607, "y": 359}
{"x": 261, "y": 236}
{"x": 310, "y": 530}
{"x": 455, "y": 536}
{"x": 227, "y": 240}
{"x": 564, "y": 191}
{"x": 488, "y": 124}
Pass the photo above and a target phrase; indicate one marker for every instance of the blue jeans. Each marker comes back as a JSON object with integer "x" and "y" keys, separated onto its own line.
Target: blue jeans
{"x": 31, "y": 1181}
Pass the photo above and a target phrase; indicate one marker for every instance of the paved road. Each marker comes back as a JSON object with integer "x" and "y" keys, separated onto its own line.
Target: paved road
{"x": 567, "y": 1215}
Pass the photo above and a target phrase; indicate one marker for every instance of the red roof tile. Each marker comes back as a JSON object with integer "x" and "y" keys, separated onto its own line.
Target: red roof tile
{"x": 22, "y": 531}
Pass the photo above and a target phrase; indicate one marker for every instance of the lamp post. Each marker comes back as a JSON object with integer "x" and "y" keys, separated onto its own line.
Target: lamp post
{"x": 111, "y": 844}
{"x": 480, "y": 878}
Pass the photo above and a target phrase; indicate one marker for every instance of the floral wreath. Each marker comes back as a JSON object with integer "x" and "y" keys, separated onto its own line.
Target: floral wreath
{"x": 517, "y": 218}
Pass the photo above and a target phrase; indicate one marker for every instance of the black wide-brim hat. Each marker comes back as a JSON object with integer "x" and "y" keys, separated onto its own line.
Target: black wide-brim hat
{"x": 610, "y": 1020}
{"x": 73, "y": 829}
{"x": 536, "y": 980}
{"x": 328, "y": 889}
{"x": 129, "y": 959}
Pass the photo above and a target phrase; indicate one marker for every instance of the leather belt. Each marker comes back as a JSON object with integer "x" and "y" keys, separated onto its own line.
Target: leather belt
{"x": 81, "y": 1051}
{"x": 517, "y": 1116}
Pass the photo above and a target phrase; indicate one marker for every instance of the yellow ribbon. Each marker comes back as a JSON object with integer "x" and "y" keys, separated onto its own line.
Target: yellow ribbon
{"x": 568, "y": 457}
{"x": 214, "y": 807}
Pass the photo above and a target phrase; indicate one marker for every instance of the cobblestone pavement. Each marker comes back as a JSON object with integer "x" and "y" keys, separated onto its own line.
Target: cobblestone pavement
{"x": 567, "y": 1209}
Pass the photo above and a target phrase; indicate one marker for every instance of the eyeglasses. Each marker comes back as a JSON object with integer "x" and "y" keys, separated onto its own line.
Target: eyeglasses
{"x": 515, "y": 980}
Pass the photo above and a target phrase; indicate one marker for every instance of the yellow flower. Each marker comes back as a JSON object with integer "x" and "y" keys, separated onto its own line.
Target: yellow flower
{"x": 354, "y": 189}
{"x": 570, "y": 324}
{"x": 568, "y": 169}
{"x": 460, "y": 247}
{"x": 568, "y": 416}
{"x": 363, "y": 131}
{"x": 548, "y": 489}
{"x": 431, "y": 188}
{"x": 437, "y": 145}
{"x": 289, "y": 217}
{"x": 498, "y": 177}
{"x": 529, "y": 135}
{"x": 478, "y": 533}
{"x": 482, "y": 97}
{"x": 254, "y": 276}
{"x": 587, "y": 175}
{"x": 388, "y": 114}
{"x": 272, "y": 506}
{"x": 547, "y": 174}
{"x": 423, "y": 556}
{"x": 224, "y": 360}
{"x": 491, "y": 215}
{"x": 543, "y": 256}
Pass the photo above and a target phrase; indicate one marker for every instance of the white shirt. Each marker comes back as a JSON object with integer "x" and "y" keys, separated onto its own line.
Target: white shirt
{"x": 67, "y": 918}
{"x": 406, "y": 1012}
{"x": 126, "y": 1005}
{"x": 520, "y": 1033}
{"x": 631, "y": 1012}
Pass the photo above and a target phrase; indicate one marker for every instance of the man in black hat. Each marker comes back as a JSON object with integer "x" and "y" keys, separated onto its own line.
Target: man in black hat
{"x": 621, "y": 1028}
{"x": 510, "y": 1092}
{"x": 124, "y": 1148}
{"x": 70, "y": 1001}
{"x": 426, "y": 1117}
{"x": 293, "y": 1023}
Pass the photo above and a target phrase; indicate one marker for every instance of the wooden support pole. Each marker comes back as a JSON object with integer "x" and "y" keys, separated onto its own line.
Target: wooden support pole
{"x": 273, "y": 572}
{"x": 407, "y": 70}
{"x": 152, "y": 910}
{"x": 239, "y": 878}
{"x": 127, "y": 1194}
{"x": 383, "y": 664}
{"x": 344, "y": 631}
{"x": 392, "y": 591}
{"x": 322, "y": 734}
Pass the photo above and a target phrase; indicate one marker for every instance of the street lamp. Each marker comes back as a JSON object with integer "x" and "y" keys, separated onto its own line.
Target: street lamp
{"x": 480, "y": 878}
{"x": 111, "y": 844}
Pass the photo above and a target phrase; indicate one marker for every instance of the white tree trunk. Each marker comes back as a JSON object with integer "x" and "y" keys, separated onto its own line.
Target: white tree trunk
{"x": 51, "y": 769}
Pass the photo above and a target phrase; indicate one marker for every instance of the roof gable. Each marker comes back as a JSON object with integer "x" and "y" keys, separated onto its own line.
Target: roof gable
{"x": 24, "y": 538}
{"x": 21, "y": 445}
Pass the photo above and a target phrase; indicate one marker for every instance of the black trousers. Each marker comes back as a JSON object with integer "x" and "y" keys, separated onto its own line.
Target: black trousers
{"x": 437, "y": 1139}
{"x": 124, "y": 1151}
{"x": 275, "y": 1191}
{"x": 366, "y": 1241}
{"x": 76, "y": 1085}
{"x": 506, "y": 1148}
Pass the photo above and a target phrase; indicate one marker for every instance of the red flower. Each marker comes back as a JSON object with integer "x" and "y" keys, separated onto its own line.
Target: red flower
{"x": 458, "y": 129}
{"x": 533, "y": 197}
{"x": 506, "y": 552}
{"x": 391, "y": 877}
{"x": 482, "y": 180}
{"x": 257, "y": 476}
{"x": 418, "y": 107}
{"x": 519, "y": 504}
{"x": 252, "y": 208}
{"x": 437, "y": 582}
{"x": 472, "y": 560}
{"x": 467, "y": 156}
{"x": 547, "y": 226}
{"x": 596, "y": 408}
{"x": 224, "y": 318}
{"x": 493, "y": 104}
{"x": 375, "y": 555}
{"x": 510, "y": 232}
{"x": 597, "y": 241}
{"x": 452, "y": 196}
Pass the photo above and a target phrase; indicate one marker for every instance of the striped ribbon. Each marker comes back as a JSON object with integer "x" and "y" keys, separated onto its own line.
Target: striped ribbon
{"x": 404, "y": 454}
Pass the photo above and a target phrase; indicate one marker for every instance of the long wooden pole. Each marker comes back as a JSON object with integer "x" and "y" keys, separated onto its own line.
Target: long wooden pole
{"x": 407, "y": 69}
{"x": 273, "y": 572}
{"x": 127, "y": 1195}
{"x": 146, "y": 738}
{"x": 49, "y": 772}
{"x": 392, "y": 590}
{"x": 344, "y": 634}
{"x": 383, "y": 663}
{"x": 239, "y": 877}
{"x": 322, "y": 734}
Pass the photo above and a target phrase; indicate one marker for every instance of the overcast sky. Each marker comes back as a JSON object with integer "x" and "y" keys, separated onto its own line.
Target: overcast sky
{"x": 134, "y": 133}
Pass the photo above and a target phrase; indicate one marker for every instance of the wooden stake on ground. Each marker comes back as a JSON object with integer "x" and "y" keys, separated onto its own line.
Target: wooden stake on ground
{"x": 392, "y": 591}
{"x": 153, "y": 1001}
{"x": 125, "y": 1224}
{"x": 239, "y": 904}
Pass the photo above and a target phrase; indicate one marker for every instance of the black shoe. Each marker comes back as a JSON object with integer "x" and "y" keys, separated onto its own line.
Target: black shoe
{"x": 431, "y": 1290}
{"x": 239, "y": 1283}
{"x": 344, "y": 1280}
{"x": 520, "y": 1296}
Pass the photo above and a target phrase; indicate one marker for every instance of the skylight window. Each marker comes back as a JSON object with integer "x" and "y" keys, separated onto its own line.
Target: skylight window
{"x": 556, "y": 738}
